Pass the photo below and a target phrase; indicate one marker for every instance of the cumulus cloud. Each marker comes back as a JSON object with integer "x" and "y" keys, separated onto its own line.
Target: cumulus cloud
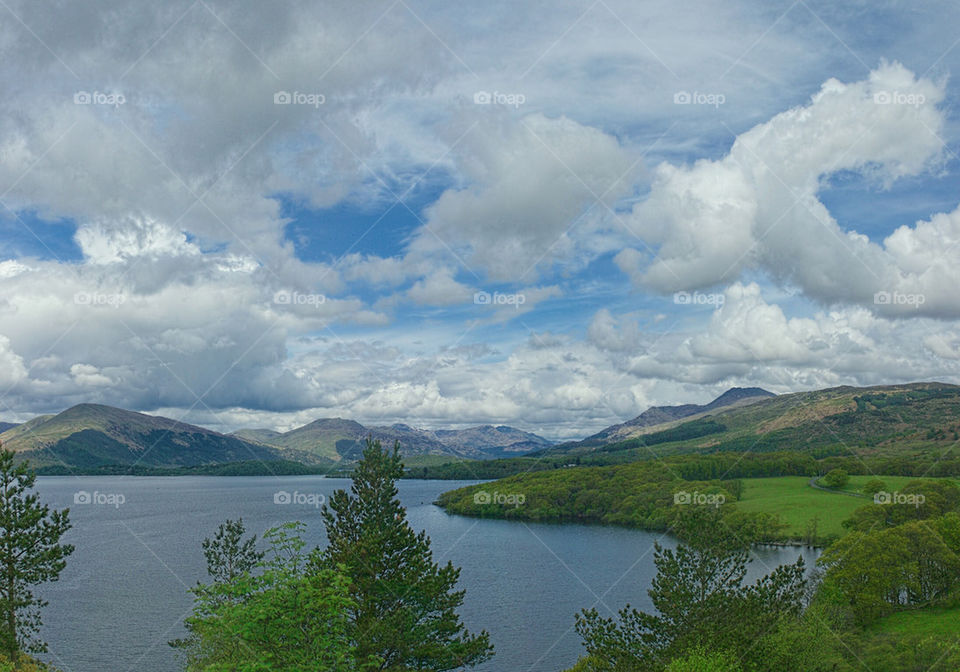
{"x": 757, "y": 207}
{"x": 439, "y": 289}
{"x": 176, "y": 200}
{"x": 529, "y": 182}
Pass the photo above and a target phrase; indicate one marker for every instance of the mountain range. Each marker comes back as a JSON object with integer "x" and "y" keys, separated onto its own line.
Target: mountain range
{"x": 658, "y": 416}
{"x": 337, "y": 439}
{"x": 94, "y": 435}
{"x": 888, "y": 419}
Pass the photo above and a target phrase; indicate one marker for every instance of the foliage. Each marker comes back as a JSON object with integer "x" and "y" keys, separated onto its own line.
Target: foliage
{"x": 873, "y": 486}
{"x": 228, "y": 554}
{"x": 913, "y": 564}
{"x": 284, "y": 619}
{"x": 30, "y": 554}
{"x": 916, "y": 500}
{"x": 404, "y": 609}
{"x": 699, "y": 660}
{"x": 24, "y": 664}
{"x": 700, "y": 600}
{"x": 835, "y": 478}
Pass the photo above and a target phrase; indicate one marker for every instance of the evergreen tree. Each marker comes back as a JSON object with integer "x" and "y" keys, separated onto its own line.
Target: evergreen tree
{"x": 228, "y": 554}
{"x": 30, "y": 554}
{"x": 701, "y": 602}
{"x": 405, "y": 611}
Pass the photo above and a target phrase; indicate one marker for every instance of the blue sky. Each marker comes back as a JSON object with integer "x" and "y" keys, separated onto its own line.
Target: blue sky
{"x": 173, "y": 240}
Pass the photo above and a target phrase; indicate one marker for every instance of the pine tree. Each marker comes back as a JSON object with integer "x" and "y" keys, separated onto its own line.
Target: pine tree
{"x": 228, "y": 554}
{"x": 30, "y": 554}
{"x": 700, "y": 600}
{"x": 405, "y": 612}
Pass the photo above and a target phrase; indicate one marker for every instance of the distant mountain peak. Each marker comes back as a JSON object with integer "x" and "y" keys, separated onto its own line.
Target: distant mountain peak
{"x": 737, "y": 393}
{"x": 657, "y": 415}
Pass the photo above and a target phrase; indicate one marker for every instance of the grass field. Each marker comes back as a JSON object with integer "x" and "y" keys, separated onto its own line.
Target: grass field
{"x": 943, "y": 622}
{"x": 797, "y": 504}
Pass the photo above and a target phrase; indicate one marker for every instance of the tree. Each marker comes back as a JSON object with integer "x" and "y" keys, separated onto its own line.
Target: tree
{"x": 228, "y": 554}
{"x": 405, "y": 604}
{"x": 30, "y": 554}
{"x": 836, "y": 478}
{"x": 699, "y": 660}
{"x": 700, "y": 599}
{"x": 283, "y": 619}
{"x": 913, "y": 564}
{"x": 873, "y": 486}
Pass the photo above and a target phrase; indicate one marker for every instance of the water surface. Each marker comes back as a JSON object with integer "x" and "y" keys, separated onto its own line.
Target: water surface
{"x": 123, "y": 595}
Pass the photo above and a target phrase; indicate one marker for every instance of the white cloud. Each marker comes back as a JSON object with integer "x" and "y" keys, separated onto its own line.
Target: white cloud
{"x": 177, "y": 202}
{"x": 439, "y": 289}
{"x": 530, "y": 180}
{"x": 757, "y": 207}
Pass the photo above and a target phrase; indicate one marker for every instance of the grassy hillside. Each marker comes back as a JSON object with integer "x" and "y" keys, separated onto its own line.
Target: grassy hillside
{"x": 799, "y": 506}
{"x": 772, "y": 489}
{"x": 91, "y": 435}
{"x": 330, "y": 438}
{"x": 885, "y": 420}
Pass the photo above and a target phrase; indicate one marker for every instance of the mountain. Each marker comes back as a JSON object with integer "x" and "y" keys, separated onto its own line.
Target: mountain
{"x": 4, "y": 426}
{"x": 499, "y": 441}
{"x": 889, "y": 420}
{"x": 656, "y": 416}
{"x": 339, "y": 439}
{"x": 91, "y": 435}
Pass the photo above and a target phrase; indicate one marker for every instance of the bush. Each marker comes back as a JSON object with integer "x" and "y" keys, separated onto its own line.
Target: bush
{"x": 26, "y": 664}
{"x": 835, "y": 478}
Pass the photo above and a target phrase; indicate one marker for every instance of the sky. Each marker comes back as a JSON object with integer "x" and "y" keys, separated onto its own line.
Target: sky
{"x": 550, "y": 215}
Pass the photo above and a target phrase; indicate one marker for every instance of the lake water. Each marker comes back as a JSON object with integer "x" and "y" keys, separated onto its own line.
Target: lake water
{"x": 124, "y": 593}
